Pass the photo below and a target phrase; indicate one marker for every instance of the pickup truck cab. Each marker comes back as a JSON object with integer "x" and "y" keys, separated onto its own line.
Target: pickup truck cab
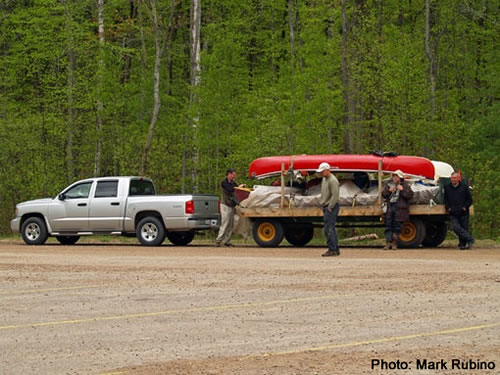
{"x": 116, "y": 205}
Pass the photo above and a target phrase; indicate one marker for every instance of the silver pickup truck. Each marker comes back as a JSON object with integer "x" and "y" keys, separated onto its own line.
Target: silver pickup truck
{"x": 116, "y": 205}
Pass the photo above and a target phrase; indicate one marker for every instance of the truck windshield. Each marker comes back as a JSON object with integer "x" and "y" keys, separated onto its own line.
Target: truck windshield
{"x": 141, "y": 187}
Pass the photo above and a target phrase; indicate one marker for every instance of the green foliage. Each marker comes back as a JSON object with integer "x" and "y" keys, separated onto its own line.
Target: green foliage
{"x": 262, "y": 92}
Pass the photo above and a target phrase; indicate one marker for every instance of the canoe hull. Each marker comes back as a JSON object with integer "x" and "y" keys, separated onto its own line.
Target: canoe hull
{"x": 410, "y": 165}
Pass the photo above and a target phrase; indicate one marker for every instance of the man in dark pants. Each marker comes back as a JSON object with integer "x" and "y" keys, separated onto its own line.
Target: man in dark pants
{"x": 397, "y": 194}
{"x": 329, "y": 201}
{"x": 457, "y": 200}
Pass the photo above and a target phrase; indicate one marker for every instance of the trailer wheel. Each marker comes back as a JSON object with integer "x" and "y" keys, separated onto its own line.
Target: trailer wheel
{"x": 299, "y": 234}
{"x": 267, "y": 233}
{"x": 180, "y": 238}
{"x": 412, "y": 233}
{"x": 435, "y": 233}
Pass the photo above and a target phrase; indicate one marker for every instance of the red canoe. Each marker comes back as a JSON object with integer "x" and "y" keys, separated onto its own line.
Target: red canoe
{"x": 410, "y": 165}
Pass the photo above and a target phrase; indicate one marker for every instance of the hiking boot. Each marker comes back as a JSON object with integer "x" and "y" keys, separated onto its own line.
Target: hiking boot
{"x": 228, "y": 244}
{"x": 394, "y": 245}
{"x": 217, "y": 243}
{"x": 388, "y": 246}
{"x": 330, "y": 253}
{"x": 468, "y": 245}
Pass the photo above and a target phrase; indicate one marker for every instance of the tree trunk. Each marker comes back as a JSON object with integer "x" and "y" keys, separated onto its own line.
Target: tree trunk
{"x": 347, "y": 89}
{"x": 156, "y": 87}
{"x": 100, "y": 106}
{"x": 160, "y": 41}
{"x": 195, "y": 79}
{"x": 430, "y": 55}
{"x": 291, "y": 25}
{"x": 70, "y": 80}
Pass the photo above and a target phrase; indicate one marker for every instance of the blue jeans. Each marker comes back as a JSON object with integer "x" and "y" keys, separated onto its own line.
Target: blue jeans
{"x": 330, "y": 219}
{"x": 392, "y": 226}
{"x": 460, "y": 225}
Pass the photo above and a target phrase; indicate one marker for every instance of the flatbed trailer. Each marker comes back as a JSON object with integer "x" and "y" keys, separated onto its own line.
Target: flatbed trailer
{"x": 427, "y": 225}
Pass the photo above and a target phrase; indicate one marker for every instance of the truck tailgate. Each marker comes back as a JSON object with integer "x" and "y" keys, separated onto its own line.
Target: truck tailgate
{"x": 205, "y": 205}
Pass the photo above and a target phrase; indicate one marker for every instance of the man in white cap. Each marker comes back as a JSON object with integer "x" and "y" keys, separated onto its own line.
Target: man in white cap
{"x": 330, "y": 202}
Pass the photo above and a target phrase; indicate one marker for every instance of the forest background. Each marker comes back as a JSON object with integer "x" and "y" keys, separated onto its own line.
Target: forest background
{"x": 180, "y": 90}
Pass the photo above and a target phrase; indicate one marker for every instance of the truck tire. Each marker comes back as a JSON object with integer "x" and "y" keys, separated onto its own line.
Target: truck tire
{"x": 412, "y": 233}
{"x": 435, "y": 233}
{"x": 299, "y": 234}
{"x": 34, "y": 231}
{"x": 180, "y": 238}
{"x": 150, "y": 231}
{"x": 267, "y": 233}
{"x": 67, "y": 240}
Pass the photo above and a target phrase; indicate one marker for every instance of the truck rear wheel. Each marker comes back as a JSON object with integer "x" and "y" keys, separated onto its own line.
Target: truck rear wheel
{"x": 34, "y": 231}
{"x": 412, "y": 233}
{"x": 267, "y": 233}
{"x": 180, "y": 238}
{"x": 67, "y": 240}
{"x": 435, "y": 233}
{"x": 150, "y": 231}
{"x": 299, "y": 234}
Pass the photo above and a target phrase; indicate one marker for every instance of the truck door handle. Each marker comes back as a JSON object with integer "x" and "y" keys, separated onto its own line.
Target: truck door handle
{"x": 115, "y": 203}
{"x": 82, "y": 204}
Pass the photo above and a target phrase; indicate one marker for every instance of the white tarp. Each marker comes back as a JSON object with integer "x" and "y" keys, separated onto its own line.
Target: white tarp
{"x": 349, "y": 195}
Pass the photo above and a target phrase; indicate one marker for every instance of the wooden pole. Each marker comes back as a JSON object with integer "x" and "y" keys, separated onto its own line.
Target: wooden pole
{"x": 379, "y": 199}
{"x": 282, "y": 203}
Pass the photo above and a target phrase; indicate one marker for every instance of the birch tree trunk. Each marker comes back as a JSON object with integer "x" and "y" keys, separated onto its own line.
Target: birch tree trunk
{"x": 195, "y": 79}
{"x": 160, "y": 41}
{"x": 100, "y": 106}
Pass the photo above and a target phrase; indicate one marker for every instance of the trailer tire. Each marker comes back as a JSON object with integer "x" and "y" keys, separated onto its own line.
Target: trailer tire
{"x": 299, "y": 234}
{"x": 412, "y": 233}
{"x": 180, "y": 238}
{"x": 435, "y": 233}
{"x": 267, "y": 233}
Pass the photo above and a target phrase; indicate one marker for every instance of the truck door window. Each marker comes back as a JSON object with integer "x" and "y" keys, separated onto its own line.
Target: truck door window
{"x": 79, "y": 191}
{"x": 106, "y": 189}
{"x": 141, "y": 187}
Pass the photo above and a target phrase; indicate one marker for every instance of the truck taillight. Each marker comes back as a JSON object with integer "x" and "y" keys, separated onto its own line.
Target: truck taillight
{"x": 190, "y": 207}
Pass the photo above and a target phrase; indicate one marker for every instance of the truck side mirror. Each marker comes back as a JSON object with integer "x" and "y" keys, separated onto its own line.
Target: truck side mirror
{"x": 61, "y": 196}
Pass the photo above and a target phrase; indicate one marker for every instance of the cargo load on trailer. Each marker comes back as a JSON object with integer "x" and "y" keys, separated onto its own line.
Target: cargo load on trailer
{"x": 290, "y": 208}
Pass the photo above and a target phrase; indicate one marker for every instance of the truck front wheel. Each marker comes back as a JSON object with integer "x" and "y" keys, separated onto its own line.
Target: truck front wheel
{"x": 299, "y": 234}
{"x": 34, "y": 231}
{"x": 267, "y": 233}
{"x": 180, "y": 238}
{"x": 412, "y": 233}
{"x": 150, "y": 231}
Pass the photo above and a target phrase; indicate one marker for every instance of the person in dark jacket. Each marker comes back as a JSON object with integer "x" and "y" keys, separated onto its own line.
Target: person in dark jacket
{"x": 397, "y": 194}
{"x": 457, "y": 200}
{"x": 227, "y": 208}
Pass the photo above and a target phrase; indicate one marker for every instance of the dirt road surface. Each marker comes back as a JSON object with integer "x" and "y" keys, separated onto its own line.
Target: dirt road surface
{"x": 124, "y": 309}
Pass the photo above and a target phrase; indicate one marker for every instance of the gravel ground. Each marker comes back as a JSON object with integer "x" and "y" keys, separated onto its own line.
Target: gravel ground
{"x": 101, "y": 308}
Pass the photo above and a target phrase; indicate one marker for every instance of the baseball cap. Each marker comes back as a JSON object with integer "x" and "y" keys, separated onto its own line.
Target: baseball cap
{"x": 323, "y": 166}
